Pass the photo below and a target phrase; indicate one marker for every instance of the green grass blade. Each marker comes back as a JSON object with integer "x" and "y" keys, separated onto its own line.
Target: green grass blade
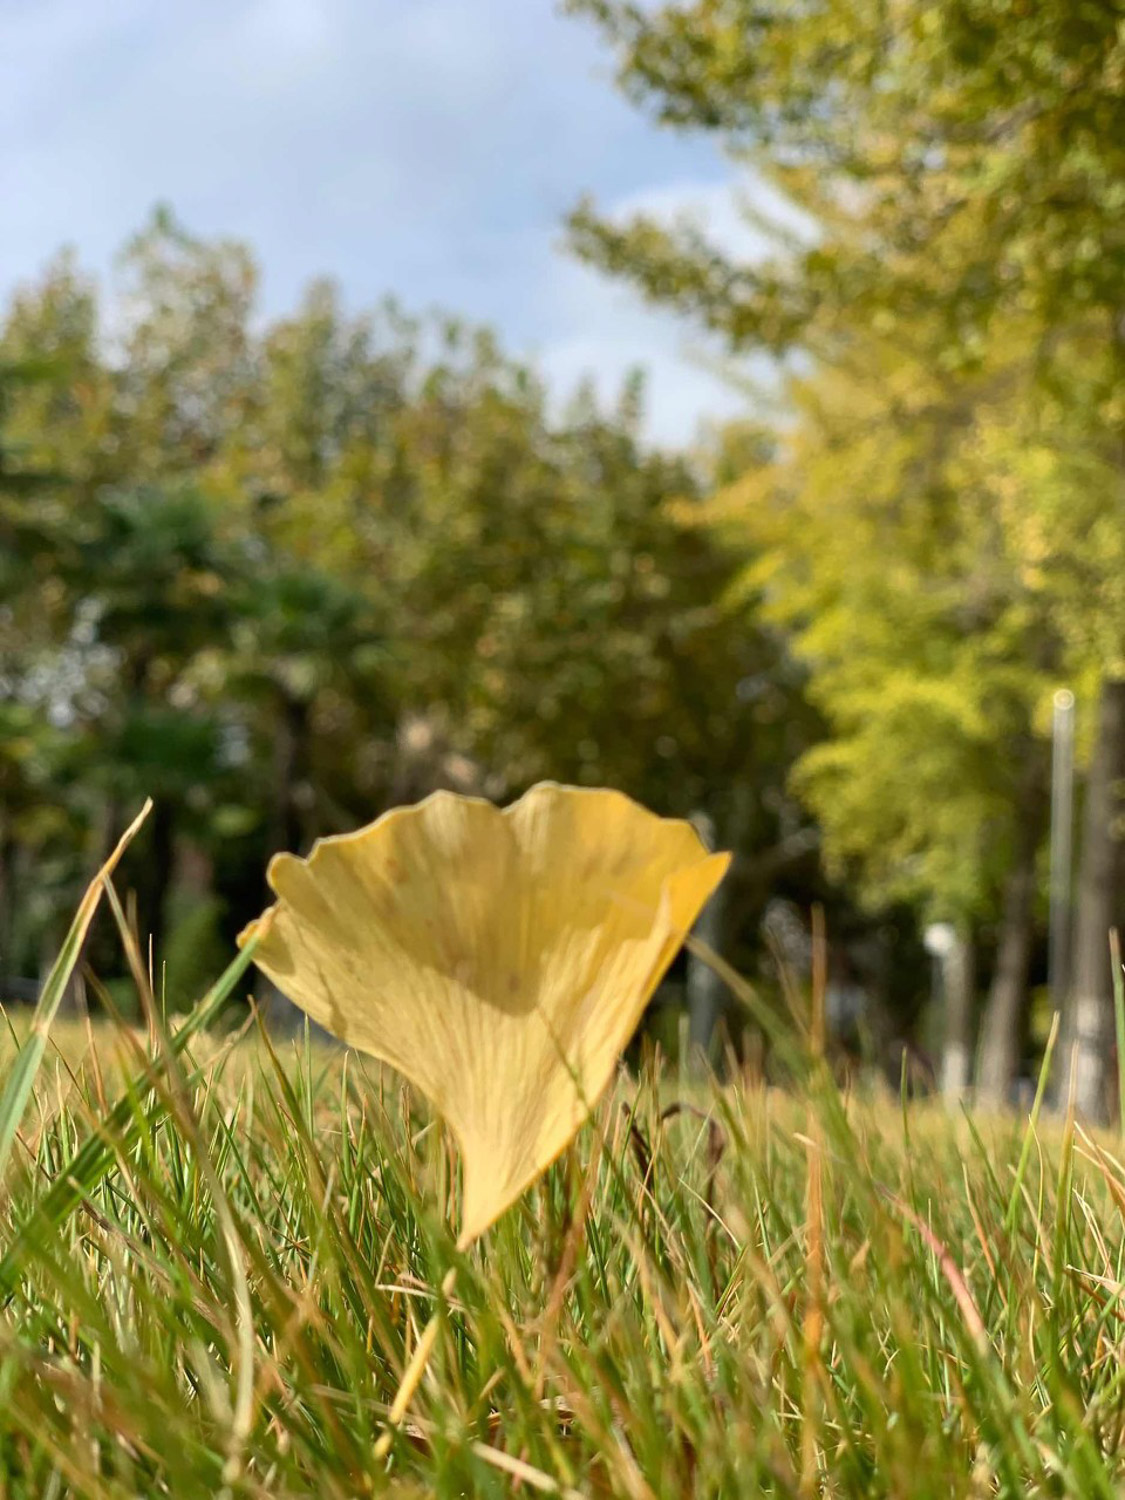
{"x": 95, "y": 1157}
{"x": 21, "y": 1079}
{"x": 1032, "y": 1124}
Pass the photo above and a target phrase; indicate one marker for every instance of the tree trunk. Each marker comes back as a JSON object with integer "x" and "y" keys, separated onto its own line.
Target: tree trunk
{"x": 290, "y": 765}
{"x": 154, "y": 908}
{"x": 7, "y": 906}
{"x": 1004, "y": 1028}
{"x": 706, "y": 992}
{"x": 290, "y": 762}
{"x": 1005, "y": 1018}
{"x": 958, "y": 976}
{"x": 1088, "y": 1033}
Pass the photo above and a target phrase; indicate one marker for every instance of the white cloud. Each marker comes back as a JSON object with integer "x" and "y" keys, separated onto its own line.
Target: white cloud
{"x": 428, "y": 148}
{"x": 713, "y": 208}
{"x": 609, "y": 331}
{"x": 614, "y": 330}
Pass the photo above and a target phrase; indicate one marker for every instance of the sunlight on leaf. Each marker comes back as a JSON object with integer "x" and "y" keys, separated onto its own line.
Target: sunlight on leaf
{"x": 499, "y": 959}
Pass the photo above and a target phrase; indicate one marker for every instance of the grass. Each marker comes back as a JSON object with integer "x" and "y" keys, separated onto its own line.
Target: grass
{"x": 216, "y": 1260}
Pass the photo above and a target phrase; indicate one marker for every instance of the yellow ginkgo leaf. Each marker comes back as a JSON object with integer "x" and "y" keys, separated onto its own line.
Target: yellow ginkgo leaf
{"x": 500, "y": 959}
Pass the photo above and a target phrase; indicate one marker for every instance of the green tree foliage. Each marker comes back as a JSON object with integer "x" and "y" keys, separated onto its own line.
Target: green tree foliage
{"x": 880, "y": 543}
{"x": 949, "y": 500}
{"x": 287, "y": 575}
{"x": 960, "y": 159}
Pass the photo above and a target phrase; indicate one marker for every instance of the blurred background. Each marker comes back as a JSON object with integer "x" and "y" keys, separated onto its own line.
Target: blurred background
{"x": 720, "y": 401}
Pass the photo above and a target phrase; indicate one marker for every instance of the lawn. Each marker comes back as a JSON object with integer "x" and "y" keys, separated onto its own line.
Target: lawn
{"x": 216, "y": 1259}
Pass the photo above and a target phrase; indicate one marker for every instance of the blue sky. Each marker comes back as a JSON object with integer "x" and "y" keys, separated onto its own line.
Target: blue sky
{"x": 428, "y": 148}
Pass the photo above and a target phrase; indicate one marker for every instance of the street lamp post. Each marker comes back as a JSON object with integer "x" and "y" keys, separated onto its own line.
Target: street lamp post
{"x": 952, "y": 990}
{"x": 1062, "y": 825}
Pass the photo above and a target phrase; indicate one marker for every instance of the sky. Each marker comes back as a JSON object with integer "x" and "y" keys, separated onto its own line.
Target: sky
{"x": 428, "y": 149}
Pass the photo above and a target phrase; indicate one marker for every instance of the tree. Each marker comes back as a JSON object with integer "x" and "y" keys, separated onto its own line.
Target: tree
{"x": 961, "y": 165}
{"x": 153, "y": 583}
{"x": 31, "y": 748}
{"x": 879, "y": 545}
{"x": 305, "y": 569}
{"x": 300, "y": 639}
{"x": 184, "y": 365}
